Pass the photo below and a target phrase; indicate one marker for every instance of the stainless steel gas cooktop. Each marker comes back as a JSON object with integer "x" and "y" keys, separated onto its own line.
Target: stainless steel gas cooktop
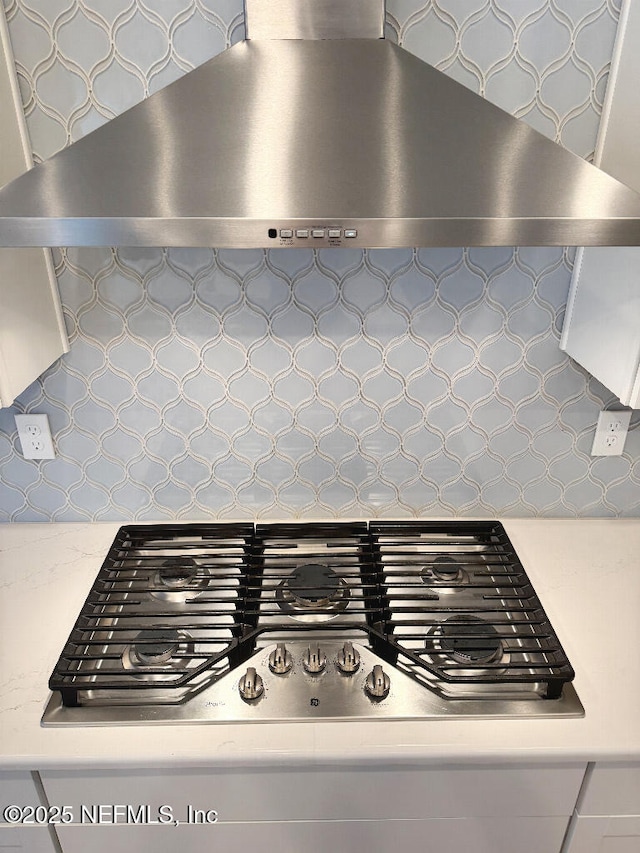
{"x": 301, "y": 621}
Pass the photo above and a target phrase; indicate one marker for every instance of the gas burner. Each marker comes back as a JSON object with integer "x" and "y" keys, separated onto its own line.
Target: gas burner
{"x": 311, "y": 588}
{"x": 442, "y": 570}
{"x": 178, "y": 580}
{"x": 467, "y": 640}
{"x": 162, "y": 648}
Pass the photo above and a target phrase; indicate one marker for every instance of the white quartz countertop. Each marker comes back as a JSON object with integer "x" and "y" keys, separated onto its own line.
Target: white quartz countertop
{"x": 586, "y": 573}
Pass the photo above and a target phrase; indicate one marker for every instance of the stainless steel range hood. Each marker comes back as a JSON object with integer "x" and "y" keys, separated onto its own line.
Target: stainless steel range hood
{"x": 315, "y": 131}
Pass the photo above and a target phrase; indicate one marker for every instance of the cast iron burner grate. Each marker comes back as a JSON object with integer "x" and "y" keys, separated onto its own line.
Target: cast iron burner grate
{"x": 488, "y": 628}
{"x": 186, "y": 582}
{"x": 175, "y": 608}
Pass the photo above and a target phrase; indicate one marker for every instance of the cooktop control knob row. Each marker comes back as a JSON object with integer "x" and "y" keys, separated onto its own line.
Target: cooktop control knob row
{"x": 280, "y": 661}
{"x": 250, "y": 685}
{"x": 348, "y": 659}
{"x": 314, "y": 659}
{"x": 377, "y": 683}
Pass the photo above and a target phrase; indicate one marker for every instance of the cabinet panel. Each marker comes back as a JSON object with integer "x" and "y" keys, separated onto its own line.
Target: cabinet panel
{"x": 479, "y": 835}
{"x": 30, "y": 840}
{"x": 603, "y": 312}
{"x": 604, "y": 835}
{"x": 32, "y": 332}
{"x": 18, "y": 789}
{"x": 613, "y": 789}
{"x": 370, "y": 793}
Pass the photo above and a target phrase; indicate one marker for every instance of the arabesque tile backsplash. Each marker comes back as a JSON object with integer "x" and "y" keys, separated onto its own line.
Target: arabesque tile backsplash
{"x": 205, "y": 383}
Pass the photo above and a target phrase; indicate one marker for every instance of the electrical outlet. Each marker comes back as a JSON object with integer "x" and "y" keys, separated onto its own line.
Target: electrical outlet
{"x": 611, "y": 433}
{"x": 35, "y": 436}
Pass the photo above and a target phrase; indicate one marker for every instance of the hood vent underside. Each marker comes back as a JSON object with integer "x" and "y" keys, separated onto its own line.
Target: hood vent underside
{"x": 280, "y": 141}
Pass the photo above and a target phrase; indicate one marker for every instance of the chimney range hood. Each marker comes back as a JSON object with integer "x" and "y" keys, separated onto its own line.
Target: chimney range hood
{"x": 316, "y": 131}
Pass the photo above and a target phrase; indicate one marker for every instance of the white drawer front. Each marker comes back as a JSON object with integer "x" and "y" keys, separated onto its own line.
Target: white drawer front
{"x": 27, "y": 839}
{"x": 476, "y": 835}
{"x": 330, "y": 794}
{"x": 604, "y": 835}
{"x": 17, "y": 789}
{"x": 613, "y": 789}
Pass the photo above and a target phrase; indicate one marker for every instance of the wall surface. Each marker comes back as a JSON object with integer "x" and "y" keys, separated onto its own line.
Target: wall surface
{"x": 205, "y": 383}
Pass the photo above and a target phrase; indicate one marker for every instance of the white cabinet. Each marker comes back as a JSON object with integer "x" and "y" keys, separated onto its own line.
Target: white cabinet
{"x": 486, "y": 835}
{"x": 19, "y": 789}
{"x": 32, "y": 333}
{"x": 607, "y": 818}
{"x": 497, "y": 809}
{"x": 602, "y": 324}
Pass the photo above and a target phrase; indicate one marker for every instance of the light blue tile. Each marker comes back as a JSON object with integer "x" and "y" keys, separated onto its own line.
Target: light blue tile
{"x": 172, "y": 291}
{"x": 214, "y": 496}
{"x": 112, "y": 389}
{"x": 233, "y": 472}
{"x": 338, "y": 444}
{"x": 316, "y": 292}
{"x": 452, "y": 356}
{"x": 338, "y": 389}
{"x": 292, "y": 325}
{"x": 273, "y": 418}
{"x": 178, "y": 357}
{"x": 76, "y": 446}
{"x": 276, "y": 471}
{"x": 185, "y": 419}
{"x": 130, "y": 357}
{"x": 252, "y": 446}
{"x": 256, "y": 497}
{"x": 139, "y": 417}
{"x": 268, "y": 292}
{"x": 337, "y": 495}
{"x": 158, "y": 388}
{"x": 412, "y": 289}
{"x": 131, "y": 498}
{"x": 316, "y": 417}
{"x": 91, "y": 498}
{"x": 249, "y": 390}
{"x": 293, "y": 390}
{"x": 381, "y": 388}
{"x": 362, "y": 291}
{"x": 386, "y": 325}
{"x": 292, "y": 263}
{"x": 473, "y": 387}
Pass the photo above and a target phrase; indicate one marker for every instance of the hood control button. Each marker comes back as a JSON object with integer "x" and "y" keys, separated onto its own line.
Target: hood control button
{"x": 348, "y": 660}
{"x": 250, "y": 685}
{"x": 350, "y": 232}
{"x": 317, "y": 232}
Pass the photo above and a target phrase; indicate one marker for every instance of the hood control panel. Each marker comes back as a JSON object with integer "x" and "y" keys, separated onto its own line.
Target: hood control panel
{"x": 332, "y": 233}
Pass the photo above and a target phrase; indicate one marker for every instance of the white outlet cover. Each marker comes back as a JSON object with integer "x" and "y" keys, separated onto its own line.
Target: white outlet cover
{"x": 611, "y": 433}
{"x": 35, "y": 436}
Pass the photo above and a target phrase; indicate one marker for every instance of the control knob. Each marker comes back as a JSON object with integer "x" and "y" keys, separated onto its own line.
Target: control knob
{"x": 314, "y": 659}
{"x": 280, "y": 660}
{"x": 250, "y": 685}
{"x": 348, "y": 659}
{"x": 377, "y": 683}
